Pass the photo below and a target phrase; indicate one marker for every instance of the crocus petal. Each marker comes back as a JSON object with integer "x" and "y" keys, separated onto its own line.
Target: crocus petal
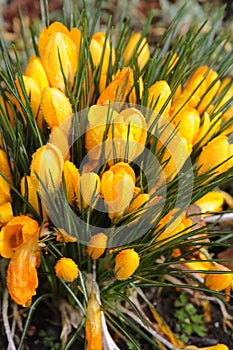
{"x": 126, "y": 263}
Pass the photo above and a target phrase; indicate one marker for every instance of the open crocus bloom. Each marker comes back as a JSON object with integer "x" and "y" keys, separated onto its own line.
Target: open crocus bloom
{"x": 16, "y": 232}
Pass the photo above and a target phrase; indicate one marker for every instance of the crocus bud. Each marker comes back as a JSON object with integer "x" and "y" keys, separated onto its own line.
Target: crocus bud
{"x": 22, "y": 279}
{"x": 221, "y": 281}
{"x": 59, "y": 54}
{"x": 211, "y": 202}
{"x": 119, "y": 87}
{"x": 158, "y": 96}
{"x": 97, "y": 245}
{"x": 6, "y": 213}
{"x": 5, "y": 195}
{"x": 143, "y": 51}
{"x": 138, "y": 201}
{"x": 126, "y": 263}
{"x": 101, "y": 53}
{"x": 4, "y": 166}
{"x": 27, "y": 187}
{"x": 71, "y": 177}
{"x": 55, "y": 106}
{"x": 34, "y": 95}
{"x": 66, "y": 269}
{"x": 217, "y": 154}
{"x": 88, "y": 190}
{"x": 35, "y": 70}
{"x": 203, "y": 80}
{"x": 17, "y": 231}
{"x": 46, "y": 167}
{"x": 117, "y": 188}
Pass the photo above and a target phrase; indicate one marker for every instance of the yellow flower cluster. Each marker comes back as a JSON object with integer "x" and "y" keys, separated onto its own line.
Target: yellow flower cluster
{"x": 114, "y": 136}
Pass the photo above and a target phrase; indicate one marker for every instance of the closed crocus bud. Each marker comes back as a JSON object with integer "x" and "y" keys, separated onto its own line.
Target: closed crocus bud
{"x": 71, "y": 177}
{"x": 175, "y": 226}
{"x": 188, "y": 123}
{"x": 203, "y": 80}
{"x": 55, "y": 107}
{"x": 119, "y": 88}
{"x": 216, "y": 154}
{"x": 129, "y": 131}
{"x": 211, "y": 202}
{"x": 138, "y": 201}
{"x": 5, "y": 195}
{"x": 28, "y": 189}
{"x": 126, "y": 263}
{"x": 35, "y": 70}
{"x": 6, "y": 213}
{"x": 220, "y": 281}
{"x": 59, "y": 54}
{"x": 97, "y": 245}
{"x": 133, "y": 97}
{"x": 99, "y": 118}
{"x": 66, "y": 269}
{"x": 102, "y": 53}
{"x": 158, "y": 95}
{"x": 88, "y": 190}
{"x": 17, "y": 231}
{"x": 143, "y": 50}
{"x": 117, "y": 188}
{"x": 4, "y": 166}
{"x": 47, "y": 164}
{"x": 34, "y": 95}
{"x": 22, "y": 279}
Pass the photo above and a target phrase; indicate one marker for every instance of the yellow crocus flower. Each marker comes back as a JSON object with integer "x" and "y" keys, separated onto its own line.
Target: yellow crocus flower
{"x": 88, "y": 190}
{"x": 71, "y": 177}
{"x": 126, "y": 263}
{"x": 17, "y": 231}
{"x": 36, "y": 71}
{"x": 216, "y": 152}
{"x": 97, "y": 245}
{"x": 59, "y": 50}
{"x": 6, "y": 213}
{"x": 158, "y": 95}
{"x": 143, "y": 51}
{"x": 101, "y": 49}
{"x": 55, "y": 107}
{"x": 117, "y": 188}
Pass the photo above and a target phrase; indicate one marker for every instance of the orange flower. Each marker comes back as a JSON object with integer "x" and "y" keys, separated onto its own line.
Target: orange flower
{"x": 55, "y": 106}
{"x": 66, "y": 269}
{"x": 143, "y": 51}
{"x": 36, "y": 71}
{"x": 126, "y": 263}
{"x": 97, "y": 245}
{"x": 59, "y": 50}
{"x": 22, "y": 279}
{"x": 93, "y": 324}
{"x": 16, "y": 232}
{"x": 213, "y": 347}
{"x": 102, "y": 52}
{"x": 6, "y": 213}
{"x": 117, "y": 188}
{"x": 119, "y": 87}
{"x": 216, "y": 154}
